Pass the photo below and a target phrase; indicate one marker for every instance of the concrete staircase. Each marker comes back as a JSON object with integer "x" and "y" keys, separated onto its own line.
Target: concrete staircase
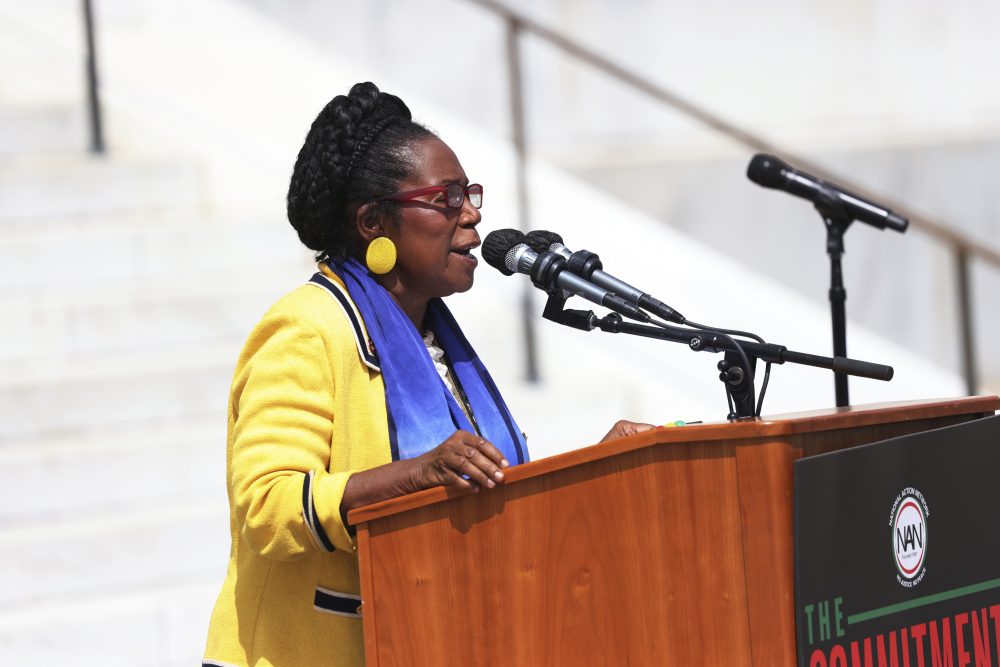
{"x": 123, "y": 306}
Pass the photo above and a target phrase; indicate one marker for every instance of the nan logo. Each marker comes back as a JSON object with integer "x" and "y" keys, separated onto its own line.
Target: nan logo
{"x": 908, "y": 519}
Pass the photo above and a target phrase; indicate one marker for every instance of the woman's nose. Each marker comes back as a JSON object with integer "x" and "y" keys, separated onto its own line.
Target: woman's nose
{"x": 470, "y": 214}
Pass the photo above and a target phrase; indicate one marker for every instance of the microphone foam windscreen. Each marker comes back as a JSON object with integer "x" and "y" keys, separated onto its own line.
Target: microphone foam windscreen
{"x": 496, "y": 245}
{"x": 541, "y": 241}
{"x": 766, "y": 170}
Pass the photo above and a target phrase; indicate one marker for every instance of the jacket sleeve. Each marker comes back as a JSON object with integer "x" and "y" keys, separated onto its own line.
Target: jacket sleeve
{"x": 287, "y": 503}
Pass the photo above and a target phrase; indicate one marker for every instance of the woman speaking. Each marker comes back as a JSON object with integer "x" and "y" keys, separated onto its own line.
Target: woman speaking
{"x": 358, "y": 386}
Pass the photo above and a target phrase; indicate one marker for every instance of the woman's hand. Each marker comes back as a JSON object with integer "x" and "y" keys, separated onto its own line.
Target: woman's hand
{"x": 624, "y": 427}
{"x": 462, "y": 455}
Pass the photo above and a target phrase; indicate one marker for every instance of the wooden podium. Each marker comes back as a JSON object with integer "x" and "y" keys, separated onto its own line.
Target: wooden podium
{"x": 672, "y": 547}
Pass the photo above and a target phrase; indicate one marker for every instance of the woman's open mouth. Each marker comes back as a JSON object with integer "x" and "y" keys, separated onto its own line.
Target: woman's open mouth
{"x": 466, "y": 254}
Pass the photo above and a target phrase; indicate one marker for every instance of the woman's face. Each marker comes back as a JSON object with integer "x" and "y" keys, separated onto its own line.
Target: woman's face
{"x": 433, "y": 241}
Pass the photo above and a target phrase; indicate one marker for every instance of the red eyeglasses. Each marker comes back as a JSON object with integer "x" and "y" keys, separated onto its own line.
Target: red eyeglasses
{"x": 455, "y": 194}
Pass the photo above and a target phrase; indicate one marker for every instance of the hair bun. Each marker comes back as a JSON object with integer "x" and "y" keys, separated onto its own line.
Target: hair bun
{"x": 334, "y": 150}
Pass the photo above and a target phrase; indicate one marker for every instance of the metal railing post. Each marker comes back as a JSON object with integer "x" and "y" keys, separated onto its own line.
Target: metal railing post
{"x": 966, "y": 336}
{"x": 516, "y": 93}
{"x": 93, "y": 97}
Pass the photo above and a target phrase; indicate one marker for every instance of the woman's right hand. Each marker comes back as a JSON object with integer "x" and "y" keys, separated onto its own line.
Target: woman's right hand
{"x": 463, "y": 455}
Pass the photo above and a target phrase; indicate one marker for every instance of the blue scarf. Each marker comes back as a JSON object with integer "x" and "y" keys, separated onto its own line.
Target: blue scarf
{"x": 422, "y": 411}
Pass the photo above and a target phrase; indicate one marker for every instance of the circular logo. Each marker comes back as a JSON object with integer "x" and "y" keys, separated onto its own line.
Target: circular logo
{"x": 909, "y": 535}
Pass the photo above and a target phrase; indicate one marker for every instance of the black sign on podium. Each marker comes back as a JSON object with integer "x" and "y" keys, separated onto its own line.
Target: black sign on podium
{"x": 897, "y": 551}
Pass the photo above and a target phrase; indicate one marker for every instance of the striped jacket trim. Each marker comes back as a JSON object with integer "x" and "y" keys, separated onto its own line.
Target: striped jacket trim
{"x": 336, "y": 603}
{"x": 368, "y": 355}
{"x": 311, "y": 517}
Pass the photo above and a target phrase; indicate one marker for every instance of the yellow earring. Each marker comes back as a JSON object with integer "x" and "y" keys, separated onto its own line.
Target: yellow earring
{"x": 381, "y": 255}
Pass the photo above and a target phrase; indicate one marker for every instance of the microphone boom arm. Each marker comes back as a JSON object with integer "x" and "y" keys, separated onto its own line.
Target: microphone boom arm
{"x": 708, "y": 341}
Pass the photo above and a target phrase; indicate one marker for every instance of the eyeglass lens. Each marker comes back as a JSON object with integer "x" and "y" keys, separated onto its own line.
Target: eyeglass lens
{"x": 456, "y": 195}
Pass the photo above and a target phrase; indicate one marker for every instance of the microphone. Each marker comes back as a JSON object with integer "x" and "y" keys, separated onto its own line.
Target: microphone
{"x": 770, "y": 172}
{"x": 506, "y": 251}
{"x": 497, "y": 244}
{"x": 588, "y": 265}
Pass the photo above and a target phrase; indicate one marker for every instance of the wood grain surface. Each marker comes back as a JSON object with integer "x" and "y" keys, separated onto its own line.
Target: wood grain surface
{"x": 672, "y": 547}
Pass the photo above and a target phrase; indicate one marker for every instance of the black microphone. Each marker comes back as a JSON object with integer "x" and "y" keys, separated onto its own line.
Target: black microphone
{"x": 506, "y": 251}
{"x": 770, "y": 172}
{"x": 588, "y": 265}
{"x": 496, "y": 245}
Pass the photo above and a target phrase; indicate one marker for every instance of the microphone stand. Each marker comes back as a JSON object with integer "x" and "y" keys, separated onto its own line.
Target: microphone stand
{"x": 732, "y": 373}
{"x": 836, "y": 219}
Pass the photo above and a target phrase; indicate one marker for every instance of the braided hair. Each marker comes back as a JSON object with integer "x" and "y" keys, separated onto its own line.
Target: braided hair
{"x": 357, "y": 150}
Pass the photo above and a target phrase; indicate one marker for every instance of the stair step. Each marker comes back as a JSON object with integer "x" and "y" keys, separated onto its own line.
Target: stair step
{"x": 52, "y": 395}
{"x": 41, "y": 130}
{"x": 93, "y": 316}
{"x": 89, "y": 473}
{"x": 102, "y": 252}
{"x": 164, "y": 624}
{"x": 37, "y": 77}
{"x": 68, "y": 185}
{"x": 124, "y": 221}
{"x": 109, "y": 554}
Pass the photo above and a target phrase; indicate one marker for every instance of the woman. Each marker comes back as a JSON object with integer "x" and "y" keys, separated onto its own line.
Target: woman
{"x": 356, "y": 387}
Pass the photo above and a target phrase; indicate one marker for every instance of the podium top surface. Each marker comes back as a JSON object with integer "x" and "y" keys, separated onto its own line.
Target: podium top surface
{"x": 827, "y": 419}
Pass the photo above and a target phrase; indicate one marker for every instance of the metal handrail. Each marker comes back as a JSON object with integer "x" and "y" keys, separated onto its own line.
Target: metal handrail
{"x": 93, "y": 93}
{"x": 962, "y": 246}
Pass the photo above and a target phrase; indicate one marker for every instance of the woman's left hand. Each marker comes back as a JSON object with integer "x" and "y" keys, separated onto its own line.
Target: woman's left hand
{"x": 624, "y": 427}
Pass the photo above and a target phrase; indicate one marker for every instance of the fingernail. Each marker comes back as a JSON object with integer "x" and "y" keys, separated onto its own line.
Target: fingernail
{"x": 498, "y": 475}
{"x": 490, "y": 483}
{"x": 504, "y": 463}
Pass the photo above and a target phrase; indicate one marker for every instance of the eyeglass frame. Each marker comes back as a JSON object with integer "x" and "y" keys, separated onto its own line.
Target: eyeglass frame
{"x": 419, "y": 192}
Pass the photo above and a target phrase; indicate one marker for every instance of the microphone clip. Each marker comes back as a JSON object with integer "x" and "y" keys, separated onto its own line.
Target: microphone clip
{"x": 738, "y": 382}
{"x": 545, "y": 270}
{"x": 583, "y": 263}
{"x": 835, "y": 217}
{"x": 584, "y": 320}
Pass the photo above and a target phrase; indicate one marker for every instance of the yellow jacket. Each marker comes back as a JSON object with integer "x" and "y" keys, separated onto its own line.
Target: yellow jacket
{"x": 306, "y": 409}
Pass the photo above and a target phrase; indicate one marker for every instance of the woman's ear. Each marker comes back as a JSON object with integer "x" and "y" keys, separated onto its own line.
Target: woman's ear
{"x": 367, "y": 225}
